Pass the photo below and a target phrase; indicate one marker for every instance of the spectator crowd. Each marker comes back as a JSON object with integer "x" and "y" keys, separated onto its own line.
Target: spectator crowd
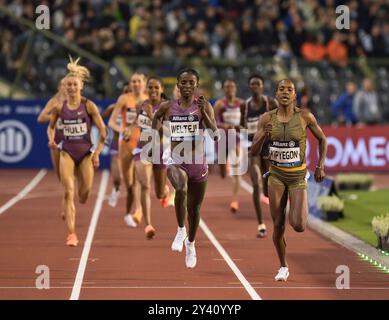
{"x": 230, "y": 29}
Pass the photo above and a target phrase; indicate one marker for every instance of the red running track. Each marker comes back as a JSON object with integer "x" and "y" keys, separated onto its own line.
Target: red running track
{"x": 123, "y": 264}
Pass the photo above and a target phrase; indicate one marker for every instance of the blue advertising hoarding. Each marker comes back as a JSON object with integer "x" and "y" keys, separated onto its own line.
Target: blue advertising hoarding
{"x": 23, "y": 141}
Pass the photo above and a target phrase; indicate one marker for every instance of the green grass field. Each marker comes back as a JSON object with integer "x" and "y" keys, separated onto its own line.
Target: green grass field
{"x": 358, "y": 213}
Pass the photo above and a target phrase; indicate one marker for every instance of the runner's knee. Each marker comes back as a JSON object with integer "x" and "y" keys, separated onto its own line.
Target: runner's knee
{"x": 297, "y": 226}
{"x": 279, "y": 226}
{"x": 69, "y": 194}
{"x": 83, "y": 195}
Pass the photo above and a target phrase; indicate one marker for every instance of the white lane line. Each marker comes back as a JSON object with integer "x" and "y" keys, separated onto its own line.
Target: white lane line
{"x": 246, "y": 186}
{"x": 89, "y": 238}
{"x": 31, "y": 185}
{"x": 206, "y": 287}
{"x": 251, "y": 291}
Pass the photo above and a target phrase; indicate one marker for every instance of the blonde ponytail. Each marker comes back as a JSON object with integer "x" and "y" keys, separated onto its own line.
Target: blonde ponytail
{"x": 76, "y": 70}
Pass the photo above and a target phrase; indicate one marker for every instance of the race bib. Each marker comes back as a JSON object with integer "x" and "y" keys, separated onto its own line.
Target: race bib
{"x": 252, "y": 125}
{"x": 144, "y": 121}
{"x": 131, "y": 116}
{"x": 75, "y": 128}
{"x": 184, "y": 128}
{"x": 232, "y": 116}
{"x": 285, "y": 153}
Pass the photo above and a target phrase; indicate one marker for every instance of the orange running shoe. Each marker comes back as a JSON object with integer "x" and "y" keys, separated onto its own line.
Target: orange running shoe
{"x": 234, "y": 206}
{"x": 150, "y": 232}
{"x": 165, "y": 200}
{"x": 72, "y": 240}
{"x": 137, "y": 216}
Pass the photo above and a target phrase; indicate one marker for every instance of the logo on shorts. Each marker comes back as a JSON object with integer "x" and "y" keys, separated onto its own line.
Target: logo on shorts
{"x": 190, "y": 118}
{"x": 79, "y": 120}
{"x": 15, "y": 141}
{"x": 291, "y": 144}
{"x": 204, "y": 174}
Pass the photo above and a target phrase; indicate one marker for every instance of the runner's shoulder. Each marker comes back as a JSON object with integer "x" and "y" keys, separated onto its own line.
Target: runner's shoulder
{"x": 266, "y": 117}
{"x": 164, "y": 106}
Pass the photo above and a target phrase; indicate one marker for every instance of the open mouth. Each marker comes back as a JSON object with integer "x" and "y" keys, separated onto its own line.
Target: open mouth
{"x": 284, "y": 99}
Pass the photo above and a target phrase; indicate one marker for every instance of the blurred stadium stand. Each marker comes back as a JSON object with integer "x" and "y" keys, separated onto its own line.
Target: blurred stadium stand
{"x": 223, "y": 39}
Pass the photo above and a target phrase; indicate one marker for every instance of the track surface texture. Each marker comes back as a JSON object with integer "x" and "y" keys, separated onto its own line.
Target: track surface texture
{"x": 122, "y": 264}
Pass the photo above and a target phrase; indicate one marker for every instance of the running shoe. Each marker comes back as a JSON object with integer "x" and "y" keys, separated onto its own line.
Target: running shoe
{"x": 113, "y": 198}
{"x": 261, "y": 231}
{"x": 137, "y": 216}
{"x": 178, "y": 241}
{"x": 190, "y": 258}
{"x": 129, "y": 221}
{"x": 282, "y": 274}
{"x": 72, "y": 240}
{"x": 234, "y": 206}
{"x": 150, "y": 231}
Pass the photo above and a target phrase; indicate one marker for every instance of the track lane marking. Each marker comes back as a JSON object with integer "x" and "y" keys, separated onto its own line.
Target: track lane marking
{"x": 89, "y": 238}
{"x": 250, "y": 290}
{"x": 31, "y": 185}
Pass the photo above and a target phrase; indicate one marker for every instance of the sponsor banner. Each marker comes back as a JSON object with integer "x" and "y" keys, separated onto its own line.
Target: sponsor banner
{"x": 23, "y": 141}
{"x": 316, "y": 190}
{"x": 352, "y": 149}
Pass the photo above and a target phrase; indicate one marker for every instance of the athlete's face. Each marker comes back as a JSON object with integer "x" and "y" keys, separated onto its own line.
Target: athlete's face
{"x": 286, "y": 93}
{"x": 137, "y": 83}
{"x": 229, "y": 89}
{"x": 154, "y": 89}
{"x": 256, "y": 86}
{"x": 73, "y": 86}
{"x": 187, "y": 84}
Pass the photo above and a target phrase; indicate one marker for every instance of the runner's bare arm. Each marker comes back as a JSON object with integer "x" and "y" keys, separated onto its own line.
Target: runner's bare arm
{"x": 115, "y": 113}
{"x": 217, "y": 110}
{"x": 98, "y": 121}
{"x": 45, "y": 114}
{"x": 54, "y": 115}
{"x": 273, "y": 103}
{"x": 264, "y": 129}
{"x": 107, "y": 112}
{"x": 208, "y": 117}
{"x": 321, "y": 138}
{"x": 243, "y": 114}
{"x": 159, "y": 115}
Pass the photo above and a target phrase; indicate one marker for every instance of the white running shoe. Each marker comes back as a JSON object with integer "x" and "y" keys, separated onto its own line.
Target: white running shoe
{"x": 190, "y": 258}
{"x": 129, "y": 221}
{"x": 178, "y": 241}
{"x": 113, "y": 198}
{"x": 282, "y": 274}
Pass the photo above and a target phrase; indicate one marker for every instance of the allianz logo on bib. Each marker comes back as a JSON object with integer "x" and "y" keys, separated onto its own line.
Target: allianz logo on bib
{"x": 15, "y": 141}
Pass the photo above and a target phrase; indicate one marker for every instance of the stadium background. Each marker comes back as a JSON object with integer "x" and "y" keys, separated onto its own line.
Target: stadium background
{"x": 222, "y": 39}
